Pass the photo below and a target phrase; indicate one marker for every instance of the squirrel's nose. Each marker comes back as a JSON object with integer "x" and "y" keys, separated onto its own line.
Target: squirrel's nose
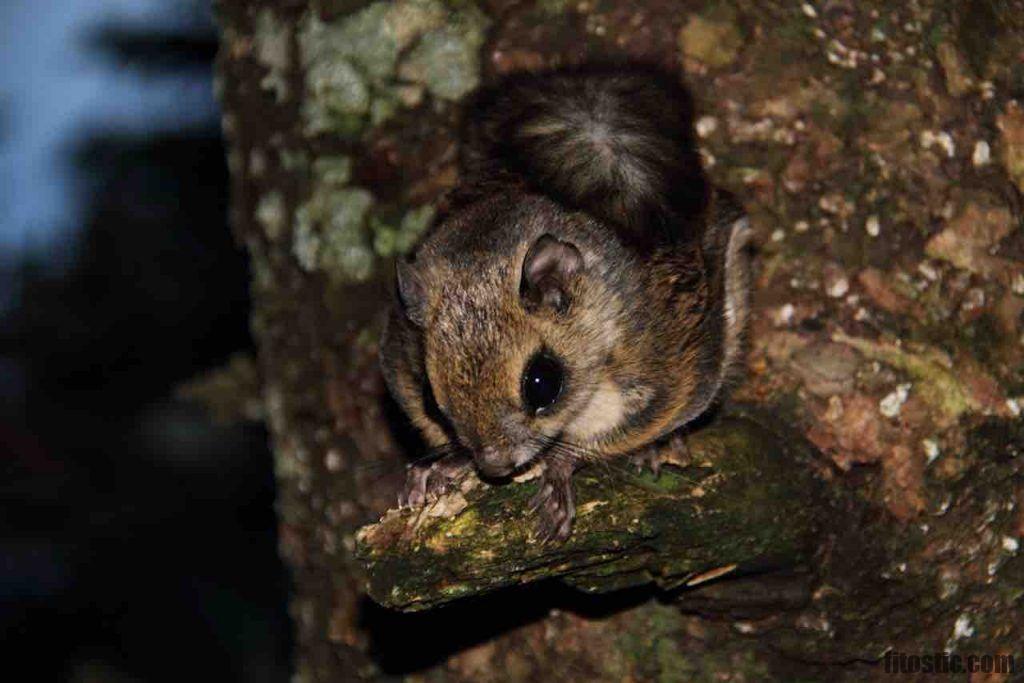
{"x": 492, "y": 463}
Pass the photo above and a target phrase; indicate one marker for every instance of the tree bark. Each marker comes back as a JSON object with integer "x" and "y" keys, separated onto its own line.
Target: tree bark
{"x": 878, "y": 151}
{"x": 745, "y": 500}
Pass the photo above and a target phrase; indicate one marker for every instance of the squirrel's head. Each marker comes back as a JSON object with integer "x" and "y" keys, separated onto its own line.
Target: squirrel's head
{"x": 517, "y": 322}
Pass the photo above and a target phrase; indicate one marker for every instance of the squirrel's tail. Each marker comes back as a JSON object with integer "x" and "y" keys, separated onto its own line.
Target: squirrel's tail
{"x": 616, "y": 142}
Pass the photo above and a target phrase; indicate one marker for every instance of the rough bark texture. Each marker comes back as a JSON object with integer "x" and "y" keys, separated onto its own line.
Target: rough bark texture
{"x": 880, "y": 151}
{"x": 745, "y": 500}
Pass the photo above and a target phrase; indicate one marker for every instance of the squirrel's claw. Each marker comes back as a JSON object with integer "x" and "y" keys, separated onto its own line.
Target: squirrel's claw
{"x": 555, "y": 504}
{"x": 425, "y": 482}
{"x": 671, "y": 450}
{"x": 414, "y": 493}
{"x": 647, "y": 458}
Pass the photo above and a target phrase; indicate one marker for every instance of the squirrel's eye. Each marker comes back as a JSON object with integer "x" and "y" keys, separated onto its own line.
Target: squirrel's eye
{"x": 542, "y": 383}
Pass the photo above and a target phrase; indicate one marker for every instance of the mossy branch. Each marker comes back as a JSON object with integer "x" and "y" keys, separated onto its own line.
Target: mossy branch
{"x": 746, "y": 497}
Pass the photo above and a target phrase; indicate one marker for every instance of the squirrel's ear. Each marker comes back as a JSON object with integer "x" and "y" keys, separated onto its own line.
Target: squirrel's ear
{"x": 547, "y": 269}
{"x": 410, "y": 291}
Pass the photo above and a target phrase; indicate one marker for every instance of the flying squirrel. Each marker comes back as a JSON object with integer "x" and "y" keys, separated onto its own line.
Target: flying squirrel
{"x": 584, "y": 295}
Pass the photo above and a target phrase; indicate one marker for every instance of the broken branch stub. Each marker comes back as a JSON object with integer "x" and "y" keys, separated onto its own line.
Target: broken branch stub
{"x": 744, "y": 496}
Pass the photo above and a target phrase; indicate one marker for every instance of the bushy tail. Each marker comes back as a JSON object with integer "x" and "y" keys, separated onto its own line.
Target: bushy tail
{"x": 615, "y": 142}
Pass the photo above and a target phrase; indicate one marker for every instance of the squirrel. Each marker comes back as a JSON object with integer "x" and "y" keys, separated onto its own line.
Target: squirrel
{"x": 584, "y": 295}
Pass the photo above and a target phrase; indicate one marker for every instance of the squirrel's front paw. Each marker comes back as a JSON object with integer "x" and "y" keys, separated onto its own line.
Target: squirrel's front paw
{"x": 672, "y": 449}
{"x": 648, "y": 458}
{"x": 555, "y": 504}
{"x": 427, "y": 481}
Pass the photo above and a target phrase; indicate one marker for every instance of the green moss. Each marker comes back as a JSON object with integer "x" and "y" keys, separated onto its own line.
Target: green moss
{"x": 654, "y": 643}
{"x": 389, "y": 240}
{"x": 714, "y": 40}
{"x": 330, "y": 227}
{"x": 385, "y": 238}
{"x": 656, "y": 631}
{"x": 414, "y": 223}
{"x": 272, "y": 45}
{"x": 383, "y": 108}
{"x": 929, "y": 366}
{"x": 270, "y": 213}
{"x": 333, "y": 170}
{"x": 367, "y": 39}
{"x": 352, "y": 64}
{"x": 340, "y": 247}
{"x": 336, "y": 89}
{"x": 447, "y": 61}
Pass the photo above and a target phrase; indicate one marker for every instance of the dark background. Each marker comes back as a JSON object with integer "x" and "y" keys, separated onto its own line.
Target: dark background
{"x": 137, "y": 537}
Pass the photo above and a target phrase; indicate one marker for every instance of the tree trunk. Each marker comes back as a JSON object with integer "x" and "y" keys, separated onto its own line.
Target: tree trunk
{"x": 869, "y": 502}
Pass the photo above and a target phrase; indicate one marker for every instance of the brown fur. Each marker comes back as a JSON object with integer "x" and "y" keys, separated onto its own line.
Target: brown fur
{"x": 655, "y": 329}
{"x": 649, "y": 334}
